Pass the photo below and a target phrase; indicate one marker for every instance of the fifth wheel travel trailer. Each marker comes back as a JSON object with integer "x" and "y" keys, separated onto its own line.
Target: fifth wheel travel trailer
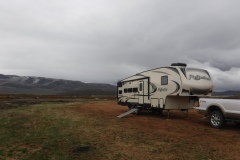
{"x": 176, "y": 87}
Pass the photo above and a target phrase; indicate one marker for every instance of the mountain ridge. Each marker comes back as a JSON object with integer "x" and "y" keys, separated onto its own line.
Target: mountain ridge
{"x": 13, "y": 84}
{"x": 227, "y": 93}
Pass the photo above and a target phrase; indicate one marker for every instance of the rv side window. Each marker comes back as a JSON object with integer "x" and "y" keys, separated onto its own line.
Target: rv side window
{"x": 129, "y": 90}
{"x": 120, "y": 92}
{"x": 125, "y": 90}
{"x": 164, "y": 80}
{"x": 135, "y": 89}
{"x": 140, "y": 87}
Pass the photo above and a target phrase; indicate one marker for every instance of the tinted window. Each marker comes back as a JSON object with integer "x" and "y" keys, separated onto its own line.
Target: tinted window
{"x": 120, "y": 91}
{"x": 129, "y": 90}
{"x": 164, "y": 80}
{"x": 119, "y": 84}
{"x": 140, "y": 87}
{"x": 125, "y": 90}
{"x": 135, "y": 89}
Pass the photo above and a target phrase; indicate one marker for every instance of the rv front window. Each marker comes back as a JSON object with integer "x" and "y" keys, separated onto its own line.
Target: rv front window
{"x": 164, "y": 80}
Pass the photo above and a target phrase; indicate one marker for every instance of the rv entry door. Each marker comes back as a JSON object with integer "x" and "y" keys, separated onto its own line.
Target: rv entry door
{"x": 141, "y": 92}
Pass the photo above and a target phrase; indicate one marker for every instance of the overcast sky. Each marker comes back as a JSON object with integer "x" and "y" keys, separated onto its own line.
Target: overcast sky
{"x": 104, "y": 41}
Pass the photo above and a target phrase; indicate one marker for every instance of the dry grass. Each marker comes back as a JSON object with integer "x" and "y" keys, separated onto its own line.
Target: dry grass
{"x": 90, "y": 130}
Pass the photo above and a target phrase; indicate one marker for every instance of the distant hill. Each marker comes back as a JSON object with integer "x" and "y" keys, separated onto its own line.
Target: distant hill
{"x": 227, "y": 93}
{"x": 12, "y": 84}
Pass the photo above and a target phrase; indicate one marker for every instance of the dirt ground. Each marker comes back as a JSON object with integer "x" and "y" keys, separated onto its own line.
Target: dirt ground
{"x": 225, "y": 143}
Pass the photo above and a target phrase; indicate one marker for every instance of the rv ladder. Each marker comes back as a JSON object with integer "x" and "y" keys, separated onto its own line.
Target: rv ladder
{"x": 127, "y": 113}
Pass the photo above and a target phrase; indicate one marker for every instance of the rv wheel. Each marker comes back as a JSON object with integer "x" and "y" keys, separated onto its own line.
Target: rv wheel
{"x": 216, "y": 119}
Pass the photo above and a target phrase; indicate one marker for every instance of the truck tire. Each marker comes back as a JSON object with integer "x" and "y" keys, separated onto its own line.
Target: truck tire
{"x": 217, "y": 119}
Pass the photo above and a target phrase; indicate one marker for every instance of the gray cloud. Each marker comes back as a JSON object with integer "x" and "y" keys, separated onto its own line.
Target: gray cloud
{"x": 104, "y": 41}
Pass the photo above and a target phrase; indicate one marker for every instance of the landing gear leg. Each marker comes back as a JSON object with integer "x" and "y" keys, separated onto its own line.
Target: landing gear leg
{"x": 168, "y": 114}
{"x": 185, "y": 113}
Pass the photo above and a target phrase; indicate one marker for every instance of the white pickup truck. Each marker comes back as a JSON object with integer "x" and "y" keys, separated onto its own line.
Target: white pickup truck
{"x": 219, "y": 111}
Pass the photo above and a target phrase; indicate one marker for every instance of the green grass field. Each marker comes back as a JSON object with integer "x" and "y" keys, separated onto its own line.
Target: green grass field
{"x": 45, "y": 131}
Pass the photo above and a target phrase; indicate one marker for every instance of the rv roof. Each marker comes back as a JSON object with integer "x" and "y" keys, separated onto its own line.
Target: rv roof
{"x": 173, "y": 65}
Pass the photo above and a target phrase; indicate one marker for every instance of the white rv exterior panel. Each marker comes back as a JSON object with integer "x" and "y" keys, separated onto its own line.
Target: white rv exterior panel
{"x": 165, "y": 88}
{"x": 178, "y": 102}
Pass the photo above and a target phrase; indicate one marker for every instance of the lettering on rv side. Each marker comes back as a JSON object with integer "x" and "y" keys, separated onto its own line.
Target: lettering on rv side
{"x": 162, "y": 89}
{"x": 198, "y": 77}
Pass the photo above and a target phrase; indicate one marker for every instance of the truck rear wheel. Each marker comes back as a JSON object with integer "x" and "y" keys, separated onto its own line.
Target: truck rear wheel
{"x": 217, "y": 119}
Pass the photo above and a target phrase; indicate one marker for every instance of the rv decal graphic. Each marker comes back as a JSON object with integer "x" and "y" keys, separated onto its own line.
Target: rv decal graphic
{"x": 185, "y": 91}
{"x": 173, "y": 69}
{"x": 208, "y": 74}
{"x": 177, "y": 87}
{"x": 183, "y": 71}
{"x": 163, "y": 89}
{"x": 161, "y": 72}
{"x": 154, "y": 88}
{"x": 198, "y": 77}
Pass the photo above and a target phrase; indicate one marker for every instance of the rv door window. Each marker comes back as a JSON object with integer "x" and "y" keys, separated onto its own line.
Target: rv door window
{"x": 164, "y": 80}
{"x": 140, "y": 87}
